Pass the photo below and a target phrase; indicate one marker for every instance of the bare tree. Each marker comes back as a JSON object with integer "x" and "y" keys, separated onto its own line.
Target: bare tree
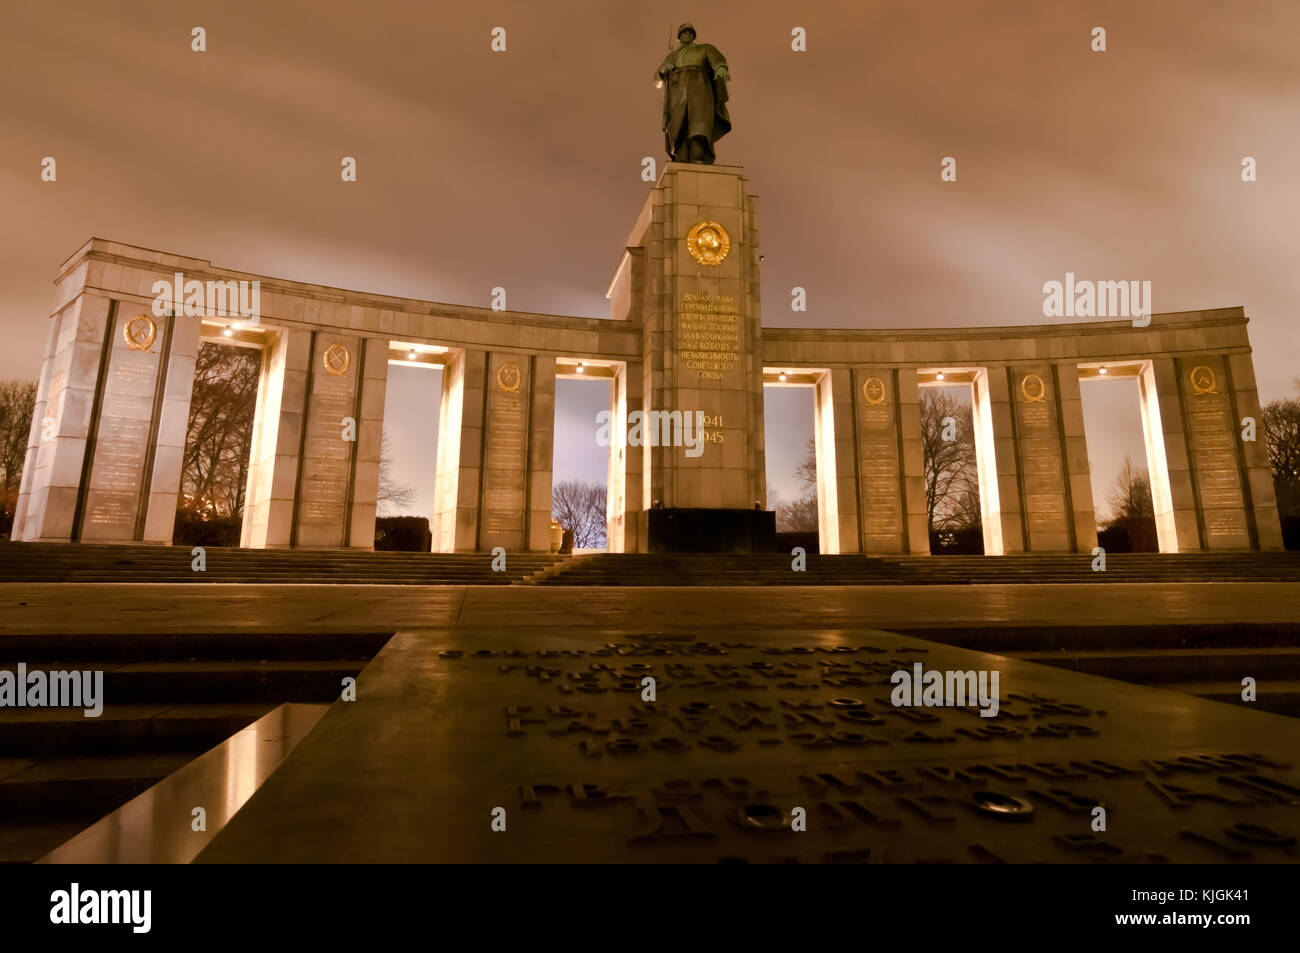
{"x": 17, "y": 401}
{"x": 951, "y": 470}
{"x": 219, "y": 438}
{"x": 1282, "y": 439}
{"x": 1132, "y": 521}
{"x": 1282, "y": 443}
{"x": 800, "y": 516}
{"x": 392, "y": 496}
{"x": 579, "y": 506}
{"x": 1131, "y": 495}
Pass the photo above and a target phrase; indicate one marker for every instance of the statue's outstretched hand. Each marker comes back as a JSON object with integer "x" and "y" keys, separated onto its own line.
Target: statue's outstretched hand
{"x": 722, "y": 74}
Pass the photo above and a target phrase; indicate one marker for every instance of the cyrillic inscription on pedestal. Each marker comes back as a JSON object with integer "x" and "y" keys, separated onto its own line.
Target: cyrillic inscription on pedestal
{"x": 327, "y": 453}
{"x": 121, "y": 443}
{"x": 882, "y": 503}
{"x": 504, "y": 457}
{"x": 1211, "y": 441}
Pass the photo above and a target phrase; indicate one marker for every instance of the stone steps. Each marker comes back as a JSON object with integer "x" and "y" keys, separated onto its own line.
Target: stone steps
{"x": 167, "y": 699}
{"x": 123, "y": 728}
{"x": 616, "y": 569}
{"x": 80, "y": 562}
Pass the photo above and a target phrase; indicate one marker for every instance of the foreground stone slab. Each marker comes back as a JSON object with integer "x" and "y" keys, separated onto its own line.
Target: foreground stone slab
{"x": 549, "y": 732}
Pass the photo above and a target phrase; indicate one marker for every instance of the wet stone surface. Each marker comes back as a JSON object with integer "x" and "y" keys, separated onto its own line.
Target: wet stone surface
{"x": 747, "y": 739}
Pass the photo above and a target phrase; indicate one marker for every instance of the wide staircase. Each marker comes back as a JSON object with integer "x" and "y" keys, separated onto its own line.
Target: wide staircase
{"x": 82, "y": 562}
{"x": 86, "y": 562}
{"x": 620, "y": 569}
{"x": 167, "y": 699}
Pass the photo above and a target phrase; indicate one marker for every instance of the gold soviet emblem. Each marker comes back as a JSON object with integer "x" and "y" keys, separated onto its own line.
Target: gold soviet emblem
{"x": 508, "y": 377}
{"x": 1032, "y": 386}
{"x": 140, "y": 332}
{"x": 336, "y": 359}
{"x": 708, "y": 243}
{"x": 873, "y": 391}
{"x": 1203, "y": 380}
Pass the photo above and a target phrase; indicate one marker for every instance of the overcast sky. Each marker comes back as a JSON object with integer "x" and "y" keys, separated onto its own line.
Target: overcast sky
{"x": 522, "y": 169}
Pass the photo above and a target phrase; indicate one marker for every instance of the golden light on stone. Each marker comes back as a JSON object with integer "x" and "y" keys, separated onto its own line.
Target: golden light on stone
{"x": 508, "y": 377}
{"x": 1203, "y": 380}
{"x": 1033, "y": 388}
{"x": 873, "y": 390}
{"x": 708, "y": 243}
{"x": 336, "y": 359}
{"x": 140, "y": 332}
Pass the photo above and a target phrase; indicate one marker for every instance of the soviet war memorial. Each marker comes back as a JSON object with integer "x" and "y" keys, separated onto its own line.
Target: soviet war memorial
{"x": 826, "y": 459}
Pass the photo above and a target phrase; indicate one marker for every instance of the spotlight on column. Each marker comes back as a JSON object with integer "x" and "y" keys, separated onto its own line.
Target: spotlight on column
{"x": 228, "y": 332}
{"x": 781, "y": 376}
{"x": 939, "y": 376}
{"x": 236, "y": 325}
{"x": 411, "y": 356}
{"x": 582, "y": 367}
{"x": 1102, "y": 371}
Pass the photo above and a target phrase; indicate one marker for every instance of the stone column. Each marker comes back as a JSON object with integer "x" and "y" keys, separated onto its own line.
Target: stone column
{"x": 61, "y": 421}
{"x": 1254, "y": 455}
{"x": 837, "y": 485}
{"x": 541, "y": 453}
{"x": 913, "y": 460}
{"x": 877, "y": 404}
{"x": 460, "y": 447}
{"x": 132, "y": 401}
{"x": 1182, "y": 497}
{"x": 1162, "y": 498}
{"x": 997, "y": 459}
{"x": 625, "y": 486}
{"x": 325, "y": 468}
{"x": 506, "y": 428}
{"x": 163, "y": 481}
{"x": 1078, "y": 476}
{"x": 1214, "y": 453}
{"x": 1039, "y": 447}
{"x": 370, "y": 438}
{"x": 277, "y": 441}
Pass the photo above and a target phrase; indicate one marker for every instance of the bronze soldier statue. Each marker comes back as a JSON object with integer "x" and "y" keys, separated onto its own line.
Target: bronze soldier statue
{"x": 695, "y": 98}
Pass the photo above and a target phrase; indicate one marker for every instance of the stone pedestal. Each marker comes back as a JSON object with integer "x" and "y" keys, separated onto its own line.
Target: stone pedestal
{"x": 702, "y": 337}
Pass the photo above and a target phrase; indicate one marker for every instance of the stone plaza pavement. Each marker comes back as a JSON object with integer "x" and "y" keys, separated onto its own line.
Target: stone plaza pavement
{"x": 73, "y": 608}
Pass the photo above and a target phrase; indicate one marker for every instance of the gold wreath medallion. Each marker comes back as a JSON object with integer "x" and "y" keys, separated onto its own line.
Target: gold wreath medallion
{"x": 336, "y": 359}
{"x": 1032, "y": 386}
{"x": 508, "y": 377}
{"x": 1203, "y": 380}
{"x": 708, "y": 243}
{"x": 873, "y": 391}
{"x": 140, "y": 332}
